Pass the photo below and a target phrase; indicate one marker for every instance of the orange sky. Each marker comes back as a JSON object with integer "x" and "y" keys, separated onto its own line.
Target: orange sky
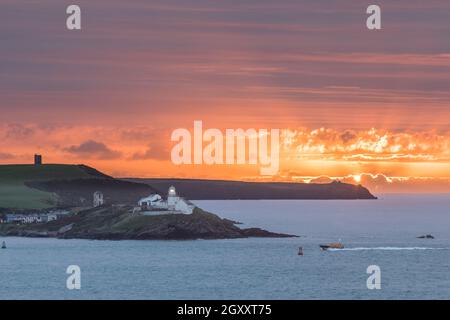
{"x": 383, "y": 160}
{"x": 361, "y": 106}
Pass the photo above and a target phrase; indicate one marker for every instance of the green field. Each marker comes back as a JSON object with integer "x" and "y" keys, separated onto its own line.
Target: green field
{"x": 15, "y": 194}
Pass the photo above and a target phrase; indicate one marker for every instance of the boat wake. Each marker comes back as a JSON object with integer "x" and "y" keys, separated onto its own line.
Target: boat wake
{"x": 387, "y": 248}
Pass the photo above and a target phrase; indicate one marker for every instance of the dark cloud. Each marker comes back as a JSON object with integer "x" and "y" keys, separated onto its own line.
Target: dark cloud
{"x": 6, "y": 156}
{"x": 93, "y": 149}
{"x": 18, "y": 131}
{"x": 156, "y": 141}
{"x": 156, "y": 151}
{"x": 347, "y": 136}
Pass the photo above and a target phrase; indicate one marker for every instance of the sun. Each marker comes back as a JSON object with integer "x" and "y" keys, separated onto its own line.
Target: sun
{"x": 357, "y": 178}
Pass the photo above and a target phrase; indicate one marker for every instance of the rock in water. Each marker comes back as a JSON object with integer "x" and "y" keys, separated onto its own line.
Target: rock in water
{"x": 428, "y": 236}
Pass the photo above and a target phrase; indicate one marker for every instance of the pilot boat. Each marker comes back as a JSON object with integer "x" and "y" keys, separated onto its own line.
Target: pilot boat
{"x": 334, "y": 245}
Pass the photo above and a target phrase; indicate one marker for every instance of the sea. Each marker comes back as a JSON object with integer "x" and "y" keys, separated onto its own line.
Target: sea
{"x": 381, "y": 233}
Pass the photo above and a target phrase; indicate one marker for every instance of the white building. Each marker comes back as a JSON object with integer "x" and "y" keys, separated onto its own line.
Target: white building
{"x": 23, "y": 218}
{"x": 174, "y": 204}
{"x": 51, "y": 217}
{"x": 153, "y": 201}
{"x": 98, "y": 199}
{"x": 30, "y": 218}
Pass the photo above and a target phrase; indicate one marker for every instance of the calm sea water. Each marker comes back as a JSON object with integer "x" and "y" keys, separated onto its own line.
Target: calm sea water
{"x": 381, "y": 232}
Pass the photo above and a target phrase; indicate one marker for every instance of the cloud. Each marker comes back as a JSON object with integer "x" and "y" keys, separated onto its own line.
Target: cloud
{"x": 347, "y": 136}
{"x": 93, "y": 149}
{"x": 6, "y": 156}
{"x": 380, "y": 183}
{"x": 18, "y": 131}
{"x": 322, "y": 179}
{"x": 155, "y": 151}
{"x": 138, "y": 134}
{"x": 368, "y": 145}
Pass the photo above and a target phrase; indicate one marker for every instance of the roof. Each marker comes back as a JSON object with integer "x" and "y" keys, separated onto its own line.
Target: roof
{"x": 152, "y": 198}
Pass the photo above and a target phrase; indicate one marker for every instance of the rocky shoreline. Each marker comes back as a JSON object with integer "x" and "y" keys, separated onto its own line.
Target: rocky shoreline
{"x": 119, "y": 223}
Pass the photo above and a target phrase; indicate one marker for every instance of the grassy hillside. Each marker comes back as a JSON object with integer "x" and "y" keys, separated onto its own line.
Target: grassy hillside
{"x": 51, "y": 185}
{"x": 15, "y": 194}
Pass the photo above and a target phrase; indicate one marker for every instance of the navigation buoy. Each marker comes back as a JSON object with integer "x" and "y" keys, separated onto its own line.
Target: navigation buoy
{"x": 300, "y": 251}
{"x": 3, "y": 245}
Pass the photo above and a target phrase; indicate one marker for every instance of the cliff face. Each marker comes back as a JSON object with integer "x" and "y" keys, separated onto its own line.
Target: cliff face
{"x": 229, "y": 190}
{"x": 111, "y": 223}
{"x": 79, "y": 192}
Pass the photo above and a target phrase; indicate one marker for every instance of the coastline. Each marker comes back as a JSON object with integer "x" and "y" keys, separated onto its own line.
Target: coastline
{"x": 111, "y": 223}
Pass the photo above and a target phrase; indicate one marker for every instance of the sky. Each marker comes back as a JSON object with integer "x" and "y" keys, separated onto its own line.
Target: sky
{"x": 370, "y": 107}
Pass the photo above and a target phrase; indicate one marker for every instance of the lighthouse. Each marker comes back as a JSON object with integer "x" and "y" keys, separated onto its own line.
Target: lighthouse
{"x": 172, "y": 198}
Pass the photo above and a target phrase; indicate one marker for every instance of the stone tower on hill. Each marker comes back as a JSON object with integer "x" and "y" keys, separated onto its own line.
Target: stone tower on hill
{"x": 37, "y": 159}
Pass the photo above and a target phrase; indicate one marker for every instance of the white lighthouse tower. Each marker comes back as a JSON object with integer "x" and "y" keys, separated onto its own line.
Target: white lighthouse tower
{"x": 172, "y": 198}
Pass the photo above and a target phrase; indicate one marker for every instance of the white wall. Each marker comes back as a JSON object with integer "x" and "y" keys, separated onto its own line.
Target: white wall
{"x": 183, "y": 206}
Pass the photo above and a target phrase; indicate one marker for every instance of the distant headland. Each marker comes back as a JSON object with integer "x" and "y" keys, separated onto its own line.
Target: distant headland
{"x": 196, "y": 189}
